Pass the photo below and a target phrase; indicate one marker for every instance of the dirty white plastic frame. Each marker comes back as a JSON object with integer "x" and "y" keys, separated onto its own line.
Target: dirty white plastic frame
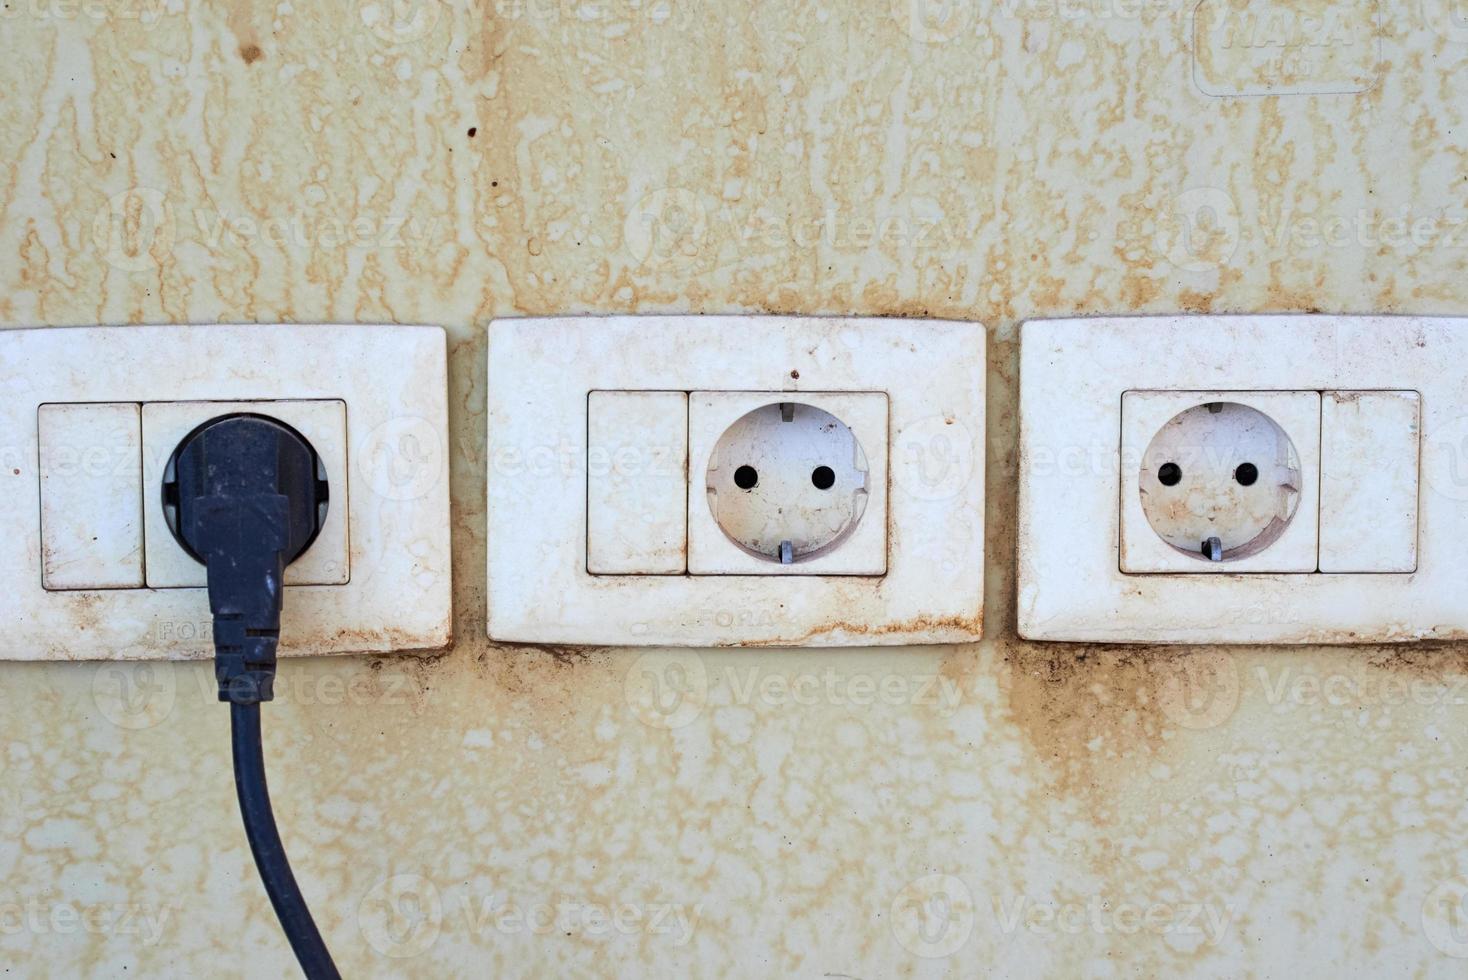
{"x": 393, "y": 380}
{"x": 1072, "y": 376}
{"x": 540, "y": 372}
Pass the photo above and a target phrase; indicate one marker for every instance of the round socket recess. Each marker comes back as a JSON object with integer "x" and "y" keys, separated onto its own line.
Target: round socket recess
{"x": 1220, "y": 481}
{"x": 787, "y": 482}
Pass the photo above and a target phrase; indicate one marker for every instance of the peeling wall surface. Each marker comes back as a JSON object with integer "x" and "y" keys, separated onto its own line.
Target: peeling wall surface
{"x": 1007, "y": 808}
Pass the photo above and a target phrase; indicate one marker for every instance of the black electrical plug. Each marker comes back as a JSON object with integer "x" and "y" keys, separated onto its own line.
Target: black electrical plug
{"x": 246, "y": 495}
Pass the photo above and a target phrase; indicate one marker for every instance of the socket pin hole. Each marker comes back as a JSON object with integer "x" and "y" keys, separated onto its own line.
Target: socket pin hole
{"x": 823, "y": 477}
{"x": 746, "y": 477}
{"x": 1246, "y": 474}
{"x": 1170, "y": 474}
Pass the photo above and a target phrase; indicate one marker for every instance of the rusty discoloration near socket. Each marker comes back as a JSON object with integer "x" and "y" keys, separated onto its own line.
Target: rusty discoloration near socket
{"x": 919, "y": 625}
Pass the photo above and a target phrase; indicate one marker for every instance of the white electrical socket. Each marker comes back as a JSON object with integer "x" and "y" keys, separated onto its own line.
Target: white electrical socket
{"x": 797, "y": 484}
{"x": 735, "y": 480}
{"x": 1220, "y": 481}
{"x": 88, "y": 567}
{"x": 1136, "y": 523}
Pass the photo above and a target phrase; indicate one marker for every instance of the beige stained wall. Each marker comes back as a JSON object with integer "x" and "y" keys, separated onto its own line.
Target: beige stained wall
{"x": 1017, "y": 808}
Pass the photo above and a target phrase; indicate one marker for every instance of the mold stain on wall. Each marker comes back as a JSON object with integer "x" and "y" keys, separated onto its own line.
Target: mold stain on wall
{"x": 1007, "y": 807}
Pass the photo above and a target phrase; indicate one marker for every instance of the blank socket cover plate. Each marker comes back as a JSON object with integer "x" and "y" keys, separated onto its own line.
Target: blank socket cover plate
{"x": 1074, "y": 373}
{"x": 541, "y": 372}
{"x": 392, "y": 382}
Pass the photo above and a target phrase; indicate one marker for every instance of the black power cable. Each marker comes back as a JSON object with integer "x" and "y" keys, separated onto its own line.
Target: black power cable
{"x": 275, "y": 869}
{"x": 246, "y": 495}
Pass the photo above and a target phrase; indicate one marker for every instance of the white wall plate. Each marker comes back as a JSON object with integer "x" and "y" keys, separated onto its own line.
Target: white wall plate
{"x": 1393, "y": 438}
{"x": 388, "y": 479}
{"x": 929, "y": 377}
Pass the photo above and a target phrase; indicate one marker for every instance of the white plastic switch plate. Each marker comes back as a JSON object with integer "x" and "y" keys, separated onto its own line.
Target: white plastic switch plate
{"x": 858, "y": 496}
{"x": 323, "y": 423}
{"x": 90, "y": 454}
{"x": 1369, "y": 481}
{"x": 1145, "y": 413}
{"x": 1394, "y": 403}
{"x": 390, "y": 488}
{"x": 910, "y": 570}
{"x": 637, "y": 482}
